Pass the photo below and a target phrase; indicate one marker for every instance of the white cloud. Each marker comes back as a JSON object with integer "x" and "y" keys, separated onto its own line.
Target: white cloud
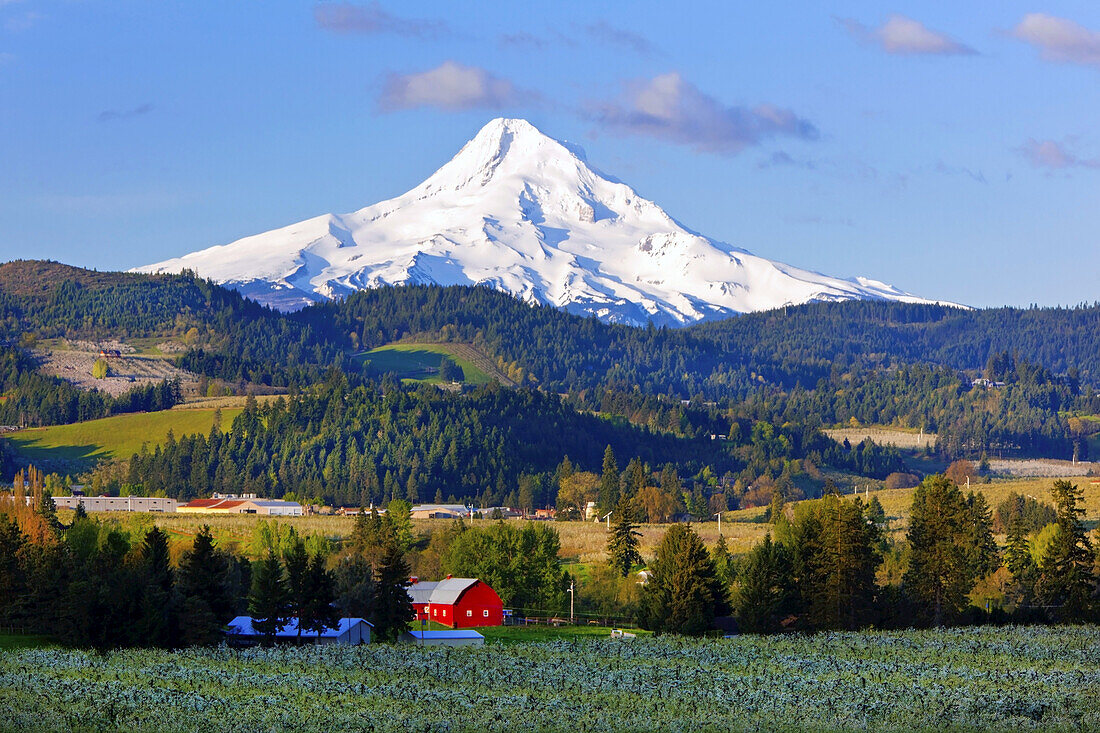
{"x": 671, "y": 108}
{"x": 904, "y": 36}
{"x": 1054, "y": 156}
{"x": 450, "y": 86}
{"x": 1059, "y": 39}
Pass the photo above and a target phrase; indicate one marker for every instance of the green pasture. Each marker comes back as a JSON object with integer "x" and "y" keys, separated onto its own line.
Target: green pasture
{"x": 116, "y": 437}
{"x": 419, "y": 362}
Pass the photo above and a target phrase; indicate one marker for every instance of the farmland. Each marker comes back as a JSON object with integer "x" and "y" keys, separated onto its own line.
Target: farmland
{"x": 959, "y": 679}
{"x": 586, "y": 542}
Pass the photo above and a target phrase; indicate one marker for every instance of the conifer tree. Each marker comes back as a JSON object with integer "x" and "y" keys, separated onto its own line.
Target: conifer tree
{"x": 835, "y": 559}
{"x": 297, "y": 581}
{"x": 683, "y": 594}
{"x": 393, "y": 608}
{"x": 205, "y": 590}
{"x": 609, "y": 482}
{"x": 156, "y": 625}
{"x": 354, "y": 582}
{"x": 724, "y": 563}
{"x": 764, "y": 596}
{"x": 1067, "y": 581}
{"x": 320, "y": 610}
{"x": 622, "y": 545}
{"x": 269, "y": 598}
{"x": 945, "y": 554}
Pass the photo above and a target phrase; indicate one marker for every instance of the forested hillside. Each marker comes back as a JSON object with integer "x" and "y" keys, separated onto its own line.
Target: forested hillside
{"x": 805, "y": 367}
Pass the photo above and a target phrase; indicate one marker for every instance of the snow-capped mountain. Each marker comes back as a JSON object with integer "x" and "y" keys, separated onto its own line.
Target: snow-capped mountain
{"x": 524, "y": 213}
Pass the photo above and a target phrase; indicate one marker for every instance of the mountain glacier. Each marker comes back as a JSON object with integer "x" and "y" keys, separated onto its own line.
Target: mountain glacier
{"x": 519, "y": 211}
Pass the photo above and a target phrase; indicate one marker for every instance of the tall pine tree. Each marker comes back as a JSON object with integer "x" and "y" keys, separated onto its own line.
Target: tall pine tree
{"x": 622, "y": 545}
{"x": 269, "y": 599}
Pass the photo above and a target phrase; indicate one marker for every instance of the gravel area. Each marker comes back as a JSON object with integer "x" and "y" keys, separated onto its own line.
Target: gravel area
{"x": 125, "y": 372}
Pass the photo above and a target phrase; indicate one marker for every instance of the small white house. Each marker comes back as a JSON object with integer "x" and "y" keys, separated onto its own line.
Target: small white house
{"x": 443, "y": 637}
{"x": 347, "y": 631}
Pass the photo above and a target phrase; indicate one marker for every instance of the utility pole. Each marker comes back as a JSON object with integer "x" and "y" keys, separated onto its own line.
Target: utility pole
{"x": 719, "y": 515}
{"x": 608, "y": 518}
{"x": 571, "y": 597}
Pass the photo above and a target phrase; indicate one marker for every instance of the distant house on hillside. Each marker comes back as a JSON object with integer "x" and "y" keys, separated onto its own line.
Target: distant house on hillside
{"x": 457, "y": 602}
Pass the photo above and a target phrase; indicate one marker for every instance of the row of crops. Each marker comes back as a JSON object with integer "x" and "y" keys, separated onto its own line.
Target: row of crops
{"x": 974, "y": 678}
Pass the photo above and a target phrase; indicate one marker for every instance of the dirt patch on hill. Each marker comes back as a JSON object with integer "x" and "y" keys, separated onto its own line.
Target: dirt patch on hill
{"x": 124, "y": 372}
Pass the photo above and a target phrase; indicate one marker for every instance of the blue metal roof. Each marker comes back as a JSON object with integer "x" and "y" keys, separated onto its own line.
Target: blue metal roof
{"x": 446, "y": 634}
{"x": 242, "y": 626}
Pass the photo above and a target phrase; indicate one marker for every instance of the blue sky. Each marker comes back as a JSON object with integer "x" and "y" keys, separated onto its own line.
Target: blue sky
{"x": 951, "y": 149}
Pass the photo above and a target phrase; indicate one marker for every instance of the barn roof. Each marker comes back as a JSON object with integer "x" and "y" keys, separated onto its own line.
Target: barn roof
{"x": 446, "y": 634}
{"x": 213, "y": 503}
{"x": 448, "y": 591}
{"x": 242, "y": 626}
{"x": 453, "y": 508}
{"x": 421, "y": 592}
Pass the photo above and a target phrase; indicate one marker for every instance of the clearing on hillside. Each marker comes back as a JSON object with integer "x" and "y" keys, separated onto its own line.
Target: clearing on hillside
{"x": 76, "y": 447}
{"x": 421, "y": 362}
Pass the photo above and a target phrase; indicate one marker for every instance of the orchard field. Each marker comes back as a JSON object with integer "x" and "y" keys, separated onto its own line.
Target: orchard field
{"x": 1008, "y": 678}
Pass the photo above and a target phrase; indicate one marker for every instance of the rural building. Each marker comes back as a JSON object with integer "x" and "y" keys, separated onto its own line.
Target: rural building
{"x": 117, "y": 503}
{"x": 440, "y": 511}
{"x": 348, "y": 631}
{"x": 443, "y": 637}
{"x": 501, "y": 512}
{"x": 420, "y": 593}
{"x": 457, "y": 602}
{"x": 248, "y": 504}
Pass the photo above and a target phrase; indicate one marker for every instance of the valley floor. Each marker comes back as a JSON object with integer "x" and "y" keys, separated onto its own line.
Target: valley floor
{"x": 956, "y": 679}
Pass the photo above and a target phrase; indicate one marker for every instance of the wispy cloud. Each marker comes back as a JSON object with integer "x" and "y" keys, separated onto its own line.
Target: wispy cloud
{"x": 608, "y": 34}
{"x": 782, "y": 159}
{"x": 673, "y": 109}
{"x": 953, "y": 170}
{"x": 523, "y": 39}
{"x": 1059, "y": 39}
{"x": 1054, "y": 156}
{"x": 109, "y": 115}
{"x": 906, "y": 37}
{"x": 22, "y": 21}
{"x": 450, "y": 86}
{"x": 372, "y": 19}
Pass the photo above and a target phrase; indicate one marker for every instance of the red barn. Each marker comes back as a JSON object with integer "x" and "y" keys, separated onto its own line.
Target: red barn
{"x": 457, "y": 602}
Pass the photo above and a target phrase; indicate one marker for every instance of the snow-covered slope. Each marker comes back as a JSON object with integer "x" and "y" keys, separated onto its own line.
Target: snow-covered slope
{"x": 524, "y": 213}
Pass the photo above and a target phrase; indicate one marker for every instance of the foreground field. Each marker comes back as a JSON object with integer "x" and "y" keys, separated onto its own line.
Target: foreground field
{"x": 966, "y": 679}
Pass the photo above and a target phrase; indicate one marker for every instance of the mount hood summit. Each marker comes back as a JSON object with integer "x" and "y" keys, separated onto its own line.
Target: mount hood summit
{"x": 521, "y": 212}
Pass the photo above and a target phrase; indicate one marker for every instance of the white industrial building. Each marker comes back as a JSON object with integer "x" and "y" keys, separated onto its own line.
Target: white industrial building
{"x": 117, "y": 503}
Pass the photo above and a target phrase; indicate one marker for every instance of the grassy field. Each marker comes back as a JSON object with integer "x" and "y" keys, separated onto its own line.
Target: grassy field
{"x": 120, "y": 436}
{"x": 1007, "y": 678}
{"x": 586, "y": 542}
{"x": 420, "y": 362}
{"x": 10, "y": 642}
{"x": 904, "y": 439}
